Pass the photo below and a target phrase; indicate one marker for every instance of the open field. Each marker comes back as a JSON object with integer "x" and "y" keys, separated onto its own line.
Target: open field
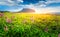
{"x": 29, "y": 25}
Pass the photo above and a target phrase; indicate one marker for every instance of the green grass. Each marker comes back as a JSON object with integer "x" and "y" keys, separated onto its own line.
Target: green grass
{"x": 29, "y": 25}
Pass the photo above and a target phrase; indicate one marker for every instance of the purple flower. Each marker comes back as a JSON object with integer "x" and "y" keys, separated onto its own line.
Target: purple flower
{"x": 1, "y": 14}
{"x": 8, "y": 20}
{"x": 59, "y": 35}
{"x": 46, "y": 30}
{"x": 24, "y": 21}
{"x": 32, "y": 20}
{"x": 12, "y": 17}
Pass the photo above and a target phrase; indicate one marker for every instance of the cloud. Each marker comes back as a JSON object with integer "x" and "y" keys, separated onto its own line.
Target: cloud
{"x": 20, "y": 0}
{"x": 10, "y": 2}
{"x": 15, "y": 10}
{"x": 45, "y": 8}
{"x": 40, "y": 4}
{"x": 16, "y": 2}
{"x": 20, "y": 7}
{"x": 47, "y": 2}
{"x": 52, "y": 1}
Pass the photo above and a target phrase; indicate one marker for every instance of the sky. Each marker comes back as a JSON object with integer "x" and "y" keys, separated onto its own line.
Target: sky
{"x": 41, "y": 6}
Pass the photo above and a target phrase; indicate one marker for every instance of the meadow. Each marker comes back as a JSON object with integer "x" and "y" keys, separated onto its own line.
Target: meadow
{"x": 29, "y": 25}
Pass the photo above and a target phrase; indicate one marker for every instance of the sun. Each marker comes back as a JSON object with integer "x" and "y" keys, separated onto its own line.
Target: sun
{"x": 41, "y": 11}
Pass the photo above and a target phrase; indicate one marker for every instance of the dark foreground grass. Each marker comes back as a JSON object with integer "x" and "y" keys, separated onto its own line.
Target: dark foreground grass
{"x": 29, "y": 25}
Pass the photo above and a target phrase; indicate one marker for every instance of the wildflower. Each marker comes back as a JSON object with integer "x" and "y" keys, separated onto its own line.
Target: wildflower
{"x": 12, "y": 17}
{"x": 8, "y": 20}
{"x": 5, "y": 28}
{"x": 59, "y": 35}
{"x": 32, "y": 19}
{"x": 24, "y": 21}
{"x": 46, "y": 30}
{"x": 1, "y": 14}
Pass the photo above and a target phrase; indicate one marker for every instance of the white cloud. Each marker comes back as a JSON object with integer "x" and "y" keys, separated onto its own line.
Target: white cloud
{"x": 10, "y": 2}
{"x": 14, "y": 10}
{"x": 20, "y": 0}
{"x": 41, "y": 4}
{"x": 52, "y": 1}
{"x": 21, "y": 7}
{"x": 44, "y": 4}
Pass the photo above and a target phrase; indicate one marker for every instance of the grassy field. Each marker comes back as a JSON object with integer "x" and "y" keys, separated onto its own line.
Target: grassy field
{"x": 29, "y": 25}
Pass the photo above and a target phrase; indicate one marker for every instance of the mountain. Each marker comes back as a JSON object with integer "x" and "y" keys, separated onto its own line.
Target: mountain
{"x": 54, "y": 13}
{"x": 27, "y": 10}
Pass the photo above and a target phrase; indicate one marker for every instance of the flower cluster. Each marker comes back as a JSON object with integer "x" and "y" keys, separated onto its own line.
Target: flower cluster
{"x": 24, "y": 21}
{"x": 58, "y": 35}
{"x": 8, "y": 20}
{"x": 1, "y": 14}
{"x": 46, "y": 30}
{"x": 32, "y": 19}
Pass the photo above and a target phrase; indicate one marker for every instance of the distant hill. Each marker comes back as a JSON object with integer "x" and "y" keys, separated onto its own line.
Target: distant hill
{"x": 54, "y": 13}
{"x": 3, "y": 11}
{"x": 27, "y": 10}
